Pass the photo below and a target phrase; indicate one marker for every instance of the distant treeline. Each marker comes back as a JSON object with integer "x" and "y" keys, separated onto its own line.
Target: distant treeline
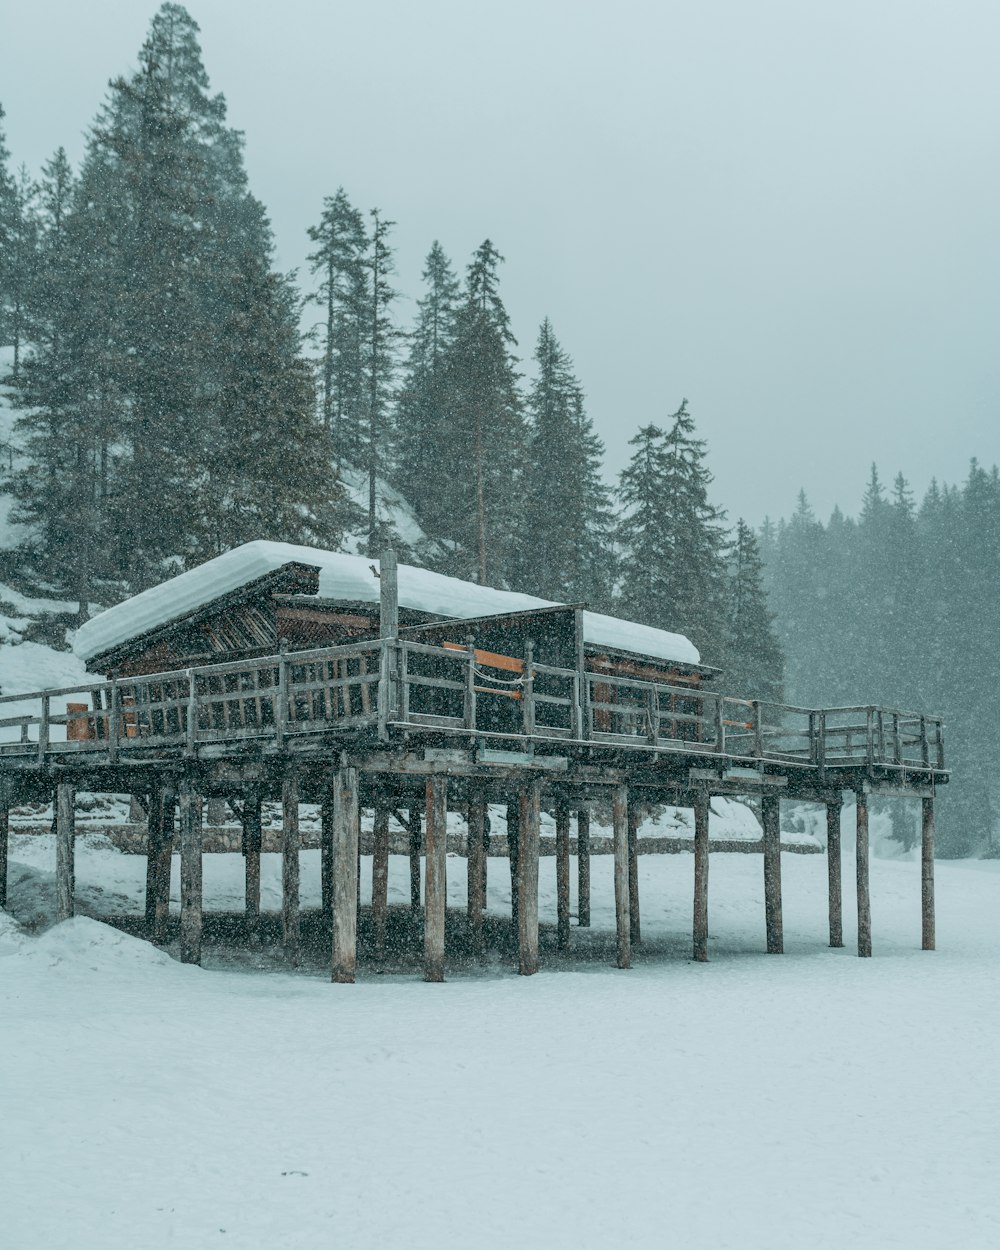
{"x": 171, "y": 408}
{"x": 902, "y": 608}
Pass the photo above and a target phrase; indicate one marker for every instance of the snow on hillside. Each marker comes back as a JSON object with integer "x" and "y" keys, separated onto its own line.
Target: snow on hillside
{"x": 756, "y": 1102}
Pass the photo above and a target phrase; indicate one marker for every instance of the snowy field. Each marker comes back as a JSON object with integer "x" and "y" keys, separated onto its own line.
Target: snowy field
{"x": 808, "y": 1100}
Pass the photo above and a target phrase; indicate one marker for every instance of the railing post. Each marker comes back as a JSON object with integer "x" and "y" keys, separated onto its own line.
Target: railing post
{"x": 940, "y": 744}
{"x": 281, "y": 706}
{"x": 470, "y": 688}
{"x": 758, "y": 730}
{"x": 114, "y": 719}
{"x": 192, "y": 713}
{"x": 384, "y": 689}
{"x": 586, "y": 712}
{"x": 404, "y": 685}
{"x": 528, "y": 689}
{"x": 925, "y": 746}
{"x": 576, "y": 711}
{"x": 870, "y": 736}
{"x": 720, "y": 725}
{"x": 821, "y": 744}
{"x": 653, "y": 714}
{"x": 43, "y": 729}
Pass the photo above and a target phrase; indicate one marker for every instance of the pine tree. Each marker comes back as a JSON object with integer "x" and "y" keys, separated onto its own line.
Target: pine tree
{"x": 567, "y": 549}
{"x": 673, "y": 544}
{"x": 645, "y": 558}
{"x": 753, "y": 665}
{"x": 485, "y": 428}
{"x": 161, "y": 319}
{"x": 339, "y": 261}
{"x": 380, "y": 365}
{"x": 422, "y": 473}
{"x": 266, "y": 404}
{"x": 9, "y": 226}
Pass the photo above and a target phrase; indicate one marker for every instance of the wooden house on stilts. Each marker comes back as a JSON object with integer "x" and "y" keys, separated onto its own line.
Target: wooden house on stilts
{"x": 278, "y": 672}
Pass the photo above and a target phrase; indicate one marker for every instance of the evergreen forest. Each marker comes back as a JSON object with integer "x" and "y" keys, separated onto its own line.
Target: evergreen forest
{"x": 177, "y": 396}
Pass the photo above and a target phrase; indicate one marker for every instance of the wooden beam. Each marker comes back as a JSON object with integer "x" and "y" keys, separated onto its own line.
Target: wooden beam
{"x": 702, "y": 808}
{"x": 635, "y": 930}
{"x": 834, "y": 872}
{"x": 191, "y": 876}
{"x": 771, "y": 821}
{"x": 583, "y": 867}
{"x": 562, "y": 873}
{"x": 290, "y": 843}
{"x": 476, "y": 867}
{"x": 864, "y": 893}
{"x": 65, "y": 848}
{"x": 927, "y": 872}
{"x": 326, "y": 854}
{"x": 436, "y": 877}
{"x": 380, "y": 874}
{"x": 513, "y": 844}
{"x": 346, "y": 836}
{"x": 154, "y": 838}
{"x": 388, "y": 584}
{"x": 4, "y": 844}
{"x": 414, "y": 825}
{"x": 529, "y": 805}
{"x": 253, "y": 837}
{"x": 619, "y": 813}
{"x": 165, "y": 861}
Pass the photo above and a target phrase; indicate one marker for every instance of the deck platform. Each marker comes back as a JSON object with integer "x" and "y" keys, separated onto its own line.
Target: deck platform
{"x": 398, "y": 724}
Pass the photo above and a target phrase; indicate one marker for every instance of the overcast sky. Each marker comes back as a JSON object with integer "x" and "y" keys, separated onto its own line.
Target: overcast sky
{"x": 785, "y": 211}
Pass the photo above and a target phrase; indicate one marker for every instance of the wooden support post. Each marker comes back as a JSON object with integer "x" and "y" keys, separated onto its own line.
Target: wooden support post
{"x": 436, "y": 877}
{"x": 326, "y": 854}
{"x": 191, "y": 886}
{"x": 476, "y": 866}
{"x": 253, "y": 836}
{"x": 529, "y": 805}
{"x": 635, "y": 931}
{"x": 4, "y": 843}
{"x": 864, "y": 894}
{"x": 414, "y": 817}
{"x": 154, "y": 839}
{"x": 771, "y": 820}
{"x": 927, "y": 872}
{"x": 65, "y": 796}
{"x": 290, "y": 866}
{"x": 562, "y": 873}
{"x": 164, "y": 865}
{"x": 833, "y": 870}
{"x": 583, "y": 868}
{"x": 702, "y": 807}
{"x": 380, "y": 874}
{"x": 346, "y": 836}
{"x": 513, "y": 846}
{"x": 619, "y": 810}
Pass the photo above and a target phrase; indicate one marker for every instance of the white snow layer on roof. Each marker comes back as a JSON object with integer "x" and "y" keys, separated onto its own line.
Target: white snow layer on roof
{"x": 349, "y": 578}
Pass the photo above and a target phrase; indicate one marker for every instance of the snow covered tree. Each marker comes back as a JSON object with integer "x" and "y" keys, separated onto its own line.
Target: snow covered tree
{"x": 484, "y": 428}
{"x": 339, "y": 261}
{"x": 380, "y": 359}
{"x": 567, "y": 549}
{"x": 422, "y": 473}
{"x": 672, "y": 539}
{"x": 146, "y": 385}
{"x": 8, "y": 235}
{"x": 753, "y": 663}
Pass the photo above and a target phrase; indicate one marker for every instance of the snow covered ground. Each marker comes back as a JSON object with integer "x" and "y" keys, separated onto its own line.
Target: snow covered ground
{"x": 809, "y": 1100}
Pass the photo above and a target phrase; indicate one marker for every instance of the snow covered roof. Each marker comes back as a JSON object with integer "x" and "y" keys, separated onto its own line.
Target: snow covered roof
{"x": 349, "y": 579}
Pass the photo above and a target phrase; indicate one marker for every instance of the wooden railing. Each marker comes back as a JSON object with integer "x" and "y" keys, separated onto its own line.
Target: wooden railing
{"x": 393, "y": 685}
